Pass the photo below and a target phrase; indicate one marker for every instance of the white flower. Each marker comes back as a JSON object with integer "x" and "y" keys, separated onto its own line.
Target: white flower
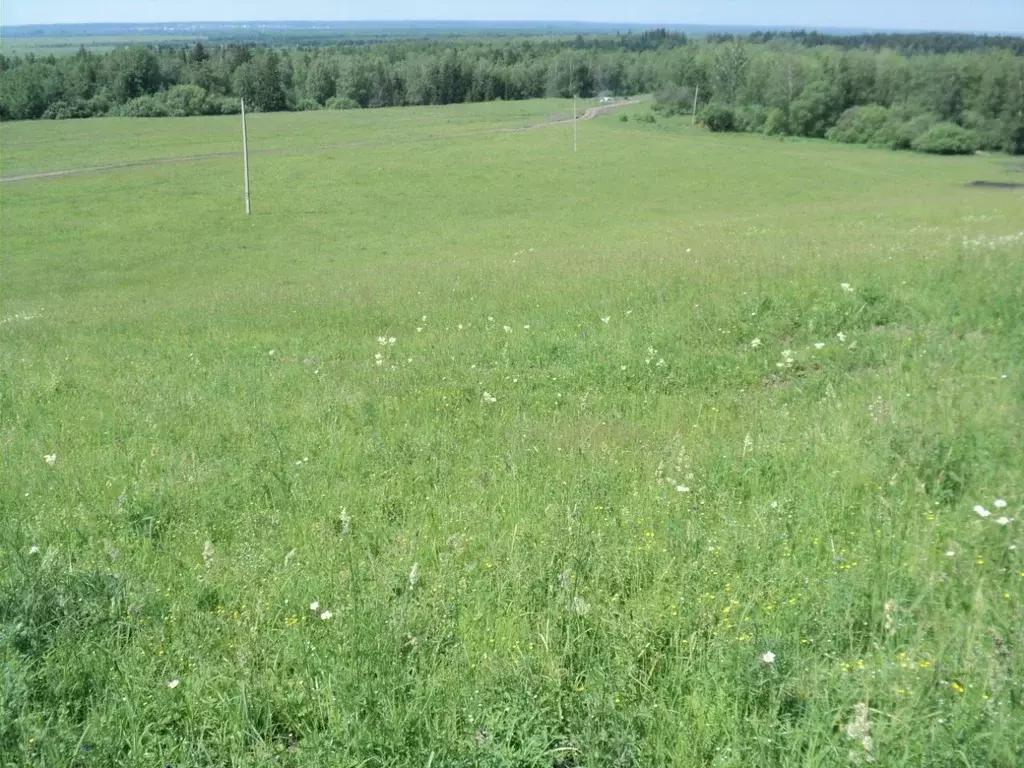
{"x": 819, "y": 345}
{"x": 50, "y": 459}
{"x": 460, "y": 326}
{"x": 661, "y": 362}
{"x": 841, "y": 336}
{"x": 489, "y": 398}
{"x": 419, "y": 329}
{"x": 508, "y": 329}
{"x": 999, "y": 503}
{"x": 314, "y": 606}
{"x": 981, "y": 511}
{"x": 33, "y": 550}
{"x": 326, "y": 616}
{"x": 526, "y": 327}
{"x": 490, "y": 319}
{"x": 950, "y": 553}
{"x": 174, "y": 683}
{"x": 682, "y": 489}
{"x": 382, "y": 340}
{"x": 392, "y": 340}
{"x": 606, "y": 320}
{"x": 847, "y": 288}
{"x": 768, "y": 657}
{"x": 774, "y": 505}
{"x": 208, "y": 554}
{"x": 1004, "y": 521}
{"x": 755, "y": 343}
{"x": 788, "y": 354}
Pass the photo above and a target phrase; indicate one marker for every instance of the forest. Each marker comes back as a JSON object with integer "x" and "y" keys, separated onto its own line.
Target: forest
{"x": 938, "y": 92}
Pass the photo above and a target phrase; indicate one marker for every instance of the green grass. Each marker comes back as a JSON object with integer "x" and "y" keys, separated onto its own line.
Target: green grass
{"x": 68, "y": 45}
{"x": 491, "y": 506}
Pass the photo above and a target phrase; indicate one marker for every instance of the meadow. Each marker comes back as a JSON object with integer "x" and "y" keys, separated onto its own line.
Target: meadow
{"x": 468, "y": 450}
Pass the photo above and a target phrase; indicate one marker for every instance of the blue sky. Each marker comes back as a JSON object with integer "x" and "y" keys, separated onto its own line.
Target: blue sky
{"x": 965, "y": 15}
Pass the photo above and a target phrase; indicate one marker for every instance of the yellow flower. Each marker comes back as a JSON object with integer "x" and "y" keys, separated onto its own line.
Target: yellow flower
{"x": 924, "y": 664}
{"x": 957, "y": 687}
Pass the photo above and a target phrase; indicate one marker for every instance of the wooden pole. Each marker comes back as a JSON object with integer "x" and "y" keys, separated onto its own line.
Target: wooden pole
{"x": 695, "y": 94}
{"x": 245, "y": 157}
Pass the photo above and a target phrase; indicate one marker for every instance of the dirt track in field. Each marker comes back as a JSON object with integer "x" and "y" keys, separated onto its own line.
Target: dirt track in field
{"x": 589, "y": 114}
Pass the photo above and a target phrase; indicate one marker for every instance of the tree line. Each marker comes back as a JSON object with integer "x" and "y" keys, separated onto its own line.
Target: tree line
{"x": 777, "y": 83}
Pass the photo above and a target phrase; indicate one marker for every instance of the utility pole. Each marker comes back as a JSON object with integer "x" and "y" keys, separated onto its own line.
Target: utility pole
{"x": 574, "y": 139}
{"x": 245, "y": 158}
{"x": 696, "y": 93}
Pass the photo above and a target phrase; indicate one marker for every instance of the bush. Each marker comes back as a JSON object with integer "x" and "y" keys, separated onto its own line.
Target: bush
{"x": 308, "y": 105}
{"x": 674, "y": 101}
{"x": 989, "y": 132}
{"x": 776, "y": 123}
{"x": 718, "y": 118}
{"x": 623, "y": 118}
{"x": 751, "y": 117}
{"x": 1013, "y": 135}
{"x": 860, "y": 125}
{"x": 67, "y": 110}
{"x": 645, "y": 117}
{"x": 143, "y": 106}
{"x": 947, "y": 139}
{"x": 186, "y": 101}
{"x": 901, "y": 131}
{"x": 341, "y": 102}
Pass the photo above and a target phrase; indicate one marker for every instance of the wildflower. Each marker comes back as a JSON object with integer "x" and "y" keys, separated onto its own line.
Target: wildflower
{"x": 489, "y": 398}
{"x": 788, "y": 354}
{"x": 950, "y": 553}
{"x": 460, "y": 326}
{"x": 50, "y": 459}
{"x": 490, "y": 319}
{"x": 382, "y": 340}
{"x": 208, "y": 554}
{"x": 326, "y": 616}
{"x": 859, "y": 729}
{"x": 981, "y": 511}
{"x": 755, "y": 344}
{"x": 999, "y": 503}
{"x": 768, "y": 657}
{"x": 606, "y": 320}
{"x": 507, "y": 328}
{"x": 580, "y": 606}
{"x": 346, "y": 521}
{"x": 526, "y": 327}
{"x": 378, "y": 358}
{"x": 819, "y": 345}
{"x": 841, "y": 336}
{"x": 1004, "y": 521}
{"x": 682, "y": 489}
{"x": 774, "y": 505}
{"x": 847, "y": 288}
{"x": 33, "y": 550}
{"x": 957, "y": 687}
{"x": 419, "y": 329}
{"x": 174, "y": 683}
{"x": 392, "y": 340}
{"x": 414, "y": 576}
{"x": 314, "y": 606}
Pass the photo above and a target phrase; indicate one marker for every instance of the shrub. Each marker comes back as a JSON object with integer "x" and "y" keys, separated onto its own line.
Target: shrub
{"x": 718, "y": 118}
{"x": 946, "y": 139}
{"x": 143, "y": 106}
{"x": 308, "y": 105}
{"x": 900, "y": 131}
{"x": 674, "y": 101}
{"x": 751, "y": 117}
{"x": 1013, "y": 135}
{"x": 990, "y": 132}
{"x": 776, "y": 124}
{"x": 186, "y": 101}
{"x": 341, "y": 102}
{"x": 645, "y": 117}
{"x": 623, "y": 118}
{"x": 860, "y": 125}
{"x": 67, "y": 110}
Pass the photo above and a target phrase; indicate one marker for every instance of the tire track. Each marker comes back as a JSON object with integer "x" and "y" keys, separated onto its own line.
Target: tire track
{"x": 590, "y": 114}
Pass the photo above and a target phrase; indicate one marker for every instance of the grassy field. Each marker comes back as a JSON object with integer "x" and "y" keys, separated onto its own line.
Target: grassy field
{"x": 466, "y": 450}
